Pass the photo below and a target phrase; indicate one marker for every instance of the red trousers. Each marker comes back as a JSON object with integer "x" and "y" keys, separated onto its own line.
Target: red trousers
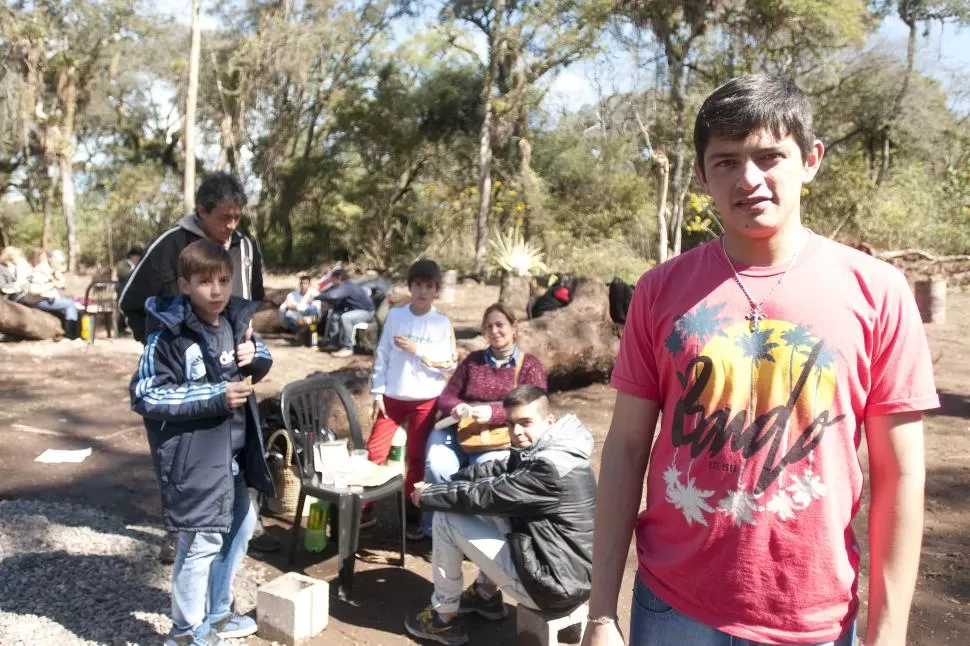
{"x": 419, "y": 416}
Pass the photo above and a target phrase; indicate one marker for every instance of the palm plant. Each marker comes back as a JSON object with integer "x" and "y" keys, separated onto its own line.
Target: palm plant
{"x": 511, "y": 253}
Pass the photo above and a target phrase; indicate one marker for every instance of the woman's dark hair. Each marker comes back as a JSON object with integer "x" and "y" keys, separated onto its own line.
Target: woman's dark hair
{"x": 753, "y": 102}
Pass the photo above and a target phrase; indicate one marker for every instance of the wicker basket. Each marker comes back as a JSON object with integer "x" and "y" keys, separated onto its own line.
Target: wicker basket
{"x": 286, "y": 478}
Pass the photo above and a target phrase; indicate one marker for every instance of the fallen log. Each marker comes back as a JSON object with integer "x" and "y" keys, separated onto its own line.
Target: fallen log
{"x": 28, "y": 322}
{"x": 577, "y": 344}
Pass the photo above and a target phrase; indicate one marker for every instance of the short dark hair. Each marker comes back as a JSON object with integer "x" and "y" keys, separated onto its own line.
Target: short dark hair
{"x": 425, "y": 269}
{"x": 340, "y": 274}
{"x": 204, "y": 257}
{"x": 220, "y": 188}
{"x": 135, "y": 251}
{"x": 305, "y": 277}
{"x": 752, "y": 102}
{"x": 524, "y": 395}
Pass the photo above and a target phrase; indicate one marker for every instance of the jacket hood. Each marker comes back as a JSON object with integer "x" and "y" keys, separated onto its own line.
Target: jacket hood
{"x": 192, "y": 224}
{"x": 567, "y": 434}
{"x": 173, "y": 312}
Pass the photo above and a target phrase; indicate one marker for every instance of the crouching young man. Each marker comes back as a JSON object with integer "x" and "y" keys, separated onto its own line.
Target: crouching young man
{"x": 527, "y": 523}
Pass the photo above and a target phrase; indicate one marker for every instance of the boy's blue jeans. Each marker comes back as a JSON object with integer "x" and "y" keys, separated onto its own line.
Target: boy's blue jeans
{"x": 206, "y": 563}
{"x": 655, "y": 623}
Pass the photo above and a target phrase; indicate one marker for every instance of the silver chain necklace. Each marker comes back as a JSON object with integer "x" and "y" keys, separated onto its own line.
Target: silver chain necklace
{"x": 757, "y": 313}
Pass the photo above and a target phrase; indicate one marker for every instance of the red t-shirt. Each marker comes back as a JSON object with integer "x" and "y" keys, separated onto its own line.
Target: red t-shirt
{"x": 754, "y": 477}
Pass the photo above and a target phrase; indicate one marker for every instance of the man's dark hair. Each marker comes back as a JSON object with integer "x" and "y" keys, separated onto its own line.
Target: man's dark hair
{"x": 340, "y": 274}
{"x": 524, "y": 395}
{"x": 749, "y": 103}
{"x": 425, "y": 269}
{"x": 135, "y": 251}
{"x": 204, "y": 257}
{"x": 305, "y": 277}
{"x": 220, "y": 188}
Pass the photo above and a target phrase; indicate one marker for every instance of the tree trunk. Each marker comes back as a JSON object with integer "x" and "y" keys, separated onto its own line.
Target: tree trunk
{"x": 188, "y": 180}
{"x": 677, "y": 92}
{"x": 27, "y": 322}
{"x": 515, "y": 292}
{"x": 662, "y": 168}
{"x": 67, "y": 93}
{"x": 69, "y": 207}
{"x": 906, "y": 13}
{"x": 485, "y": 141}
{"x": 45, "y": 231}
{"x": 484, "y": 184}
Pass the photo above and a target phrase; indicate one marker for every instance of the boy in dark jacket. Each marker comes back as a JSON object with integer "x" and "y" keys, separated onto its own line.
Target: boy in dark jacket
{"x": 194, "y": 389}
{"x": 526, "y": 522}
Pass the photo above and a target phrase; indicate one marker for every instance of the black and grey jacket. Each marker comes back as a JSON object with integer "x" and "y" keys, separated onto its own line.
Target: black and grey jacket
{"x": 548, "y": 493}
{"x": 157, "y": 272}
{"x": 177, "y": 390}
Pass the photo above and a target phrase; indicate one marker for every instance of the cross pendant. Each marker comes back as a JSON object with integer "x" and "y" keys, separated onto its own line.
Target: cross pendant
{"x": 756, "y": 316}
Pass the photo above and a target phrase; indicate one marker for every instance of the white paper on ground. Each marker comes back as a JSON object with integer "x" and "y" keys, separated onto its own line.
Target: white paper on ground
{"x": 57, "y": 456}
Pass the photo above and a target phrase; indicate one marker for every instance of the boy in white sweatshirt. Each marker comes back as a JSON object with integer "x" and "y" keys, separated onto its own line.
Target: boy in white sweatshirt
{"x": 414, "y": 356}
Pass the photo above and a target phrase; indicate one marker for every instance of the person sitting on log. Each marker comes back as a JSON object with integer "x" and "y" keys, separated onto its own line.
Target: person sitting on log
{"x": 473, "y": 399}
{"x": 350, "y": 304}
{"x": 300, "y": 304}
{"x": 14, "y": 272}
{"x": 45, "y": 284}
{"x": 526, "y": 522}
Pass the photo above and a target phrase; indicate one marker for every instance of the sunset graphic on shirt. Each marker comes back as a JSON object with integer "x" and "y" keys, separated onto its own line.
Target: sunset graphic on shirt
{"x": 760, "y": 395}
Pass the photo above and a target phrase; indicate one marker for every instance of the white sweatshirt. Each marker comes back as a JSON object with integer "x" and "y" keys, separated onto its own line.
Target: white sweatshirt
{"x": 414, "y": 377}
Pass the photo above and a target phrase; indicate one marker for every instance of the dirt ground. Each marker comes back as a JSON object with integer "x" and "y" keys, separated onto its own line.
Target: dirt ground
{"x": 70, "y": 395}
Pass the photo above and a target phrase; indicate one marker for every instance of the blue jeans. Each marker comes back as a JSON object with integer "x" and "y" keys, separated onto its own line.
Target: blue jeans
{"x": 66, "y": 306}
{"x": 206, "y": 563}
{"x": 444, "y": 457}
{"x": 340, "y": 327}
{"x": 291, "y": 319}
{"x": 655, "y": 623}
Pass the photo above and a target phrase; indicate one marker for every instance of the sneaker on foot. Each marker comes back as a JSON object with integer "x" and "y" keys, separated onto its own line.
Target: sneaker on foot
{"x": 342, "y": 353}
{"x": 207, "y": 638}
{"x": 265, "y": 542}
{"x": 235, "y": 626}
{"x": 426, "y": 624}
{"x": 169, "y": 547}
{"x": 415, "y": 532}
{"x": 492, "y": 609}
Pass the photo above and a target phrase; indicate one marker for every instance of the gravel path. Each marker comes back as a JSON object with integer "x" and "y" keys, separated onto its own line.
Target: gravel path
{"x": 71, "y": 574}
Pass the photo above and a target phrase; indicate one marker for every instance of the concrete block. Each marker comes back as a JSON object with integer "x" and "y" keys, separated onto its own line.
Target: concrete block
{"x": 292, "y": 608}
{"x": 534, "y": 628}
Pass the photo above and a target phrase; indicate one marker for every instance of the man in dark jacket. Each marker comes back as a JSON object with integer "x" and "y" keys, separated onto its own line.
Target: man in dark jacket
{"x": 349, "y": 304}
{"x": 526, "y": 523}
{"x": 219, "y": 202}
{"x": 218, "y": 207}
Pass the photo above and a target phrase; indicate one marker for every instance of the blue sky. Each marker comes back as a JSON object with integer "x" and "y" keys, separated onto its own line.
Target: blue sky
{"x": 943, "y": 54}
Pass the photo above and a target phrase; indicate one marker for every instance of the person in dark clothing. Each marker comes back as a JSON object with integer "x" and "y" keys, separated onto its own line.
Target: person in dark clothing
{"x": 350, "y": 304}
{"x": 218, "y": 207}
{"x": 527, "y": 523}
{"x": 193, "y": 387}
{"x": 123, "y": 271}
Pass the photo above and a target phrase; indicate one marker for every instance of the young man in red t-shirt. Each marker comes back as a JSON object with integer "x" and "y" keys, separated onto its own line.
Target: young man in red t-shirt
{"x": 766, "y": 351}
